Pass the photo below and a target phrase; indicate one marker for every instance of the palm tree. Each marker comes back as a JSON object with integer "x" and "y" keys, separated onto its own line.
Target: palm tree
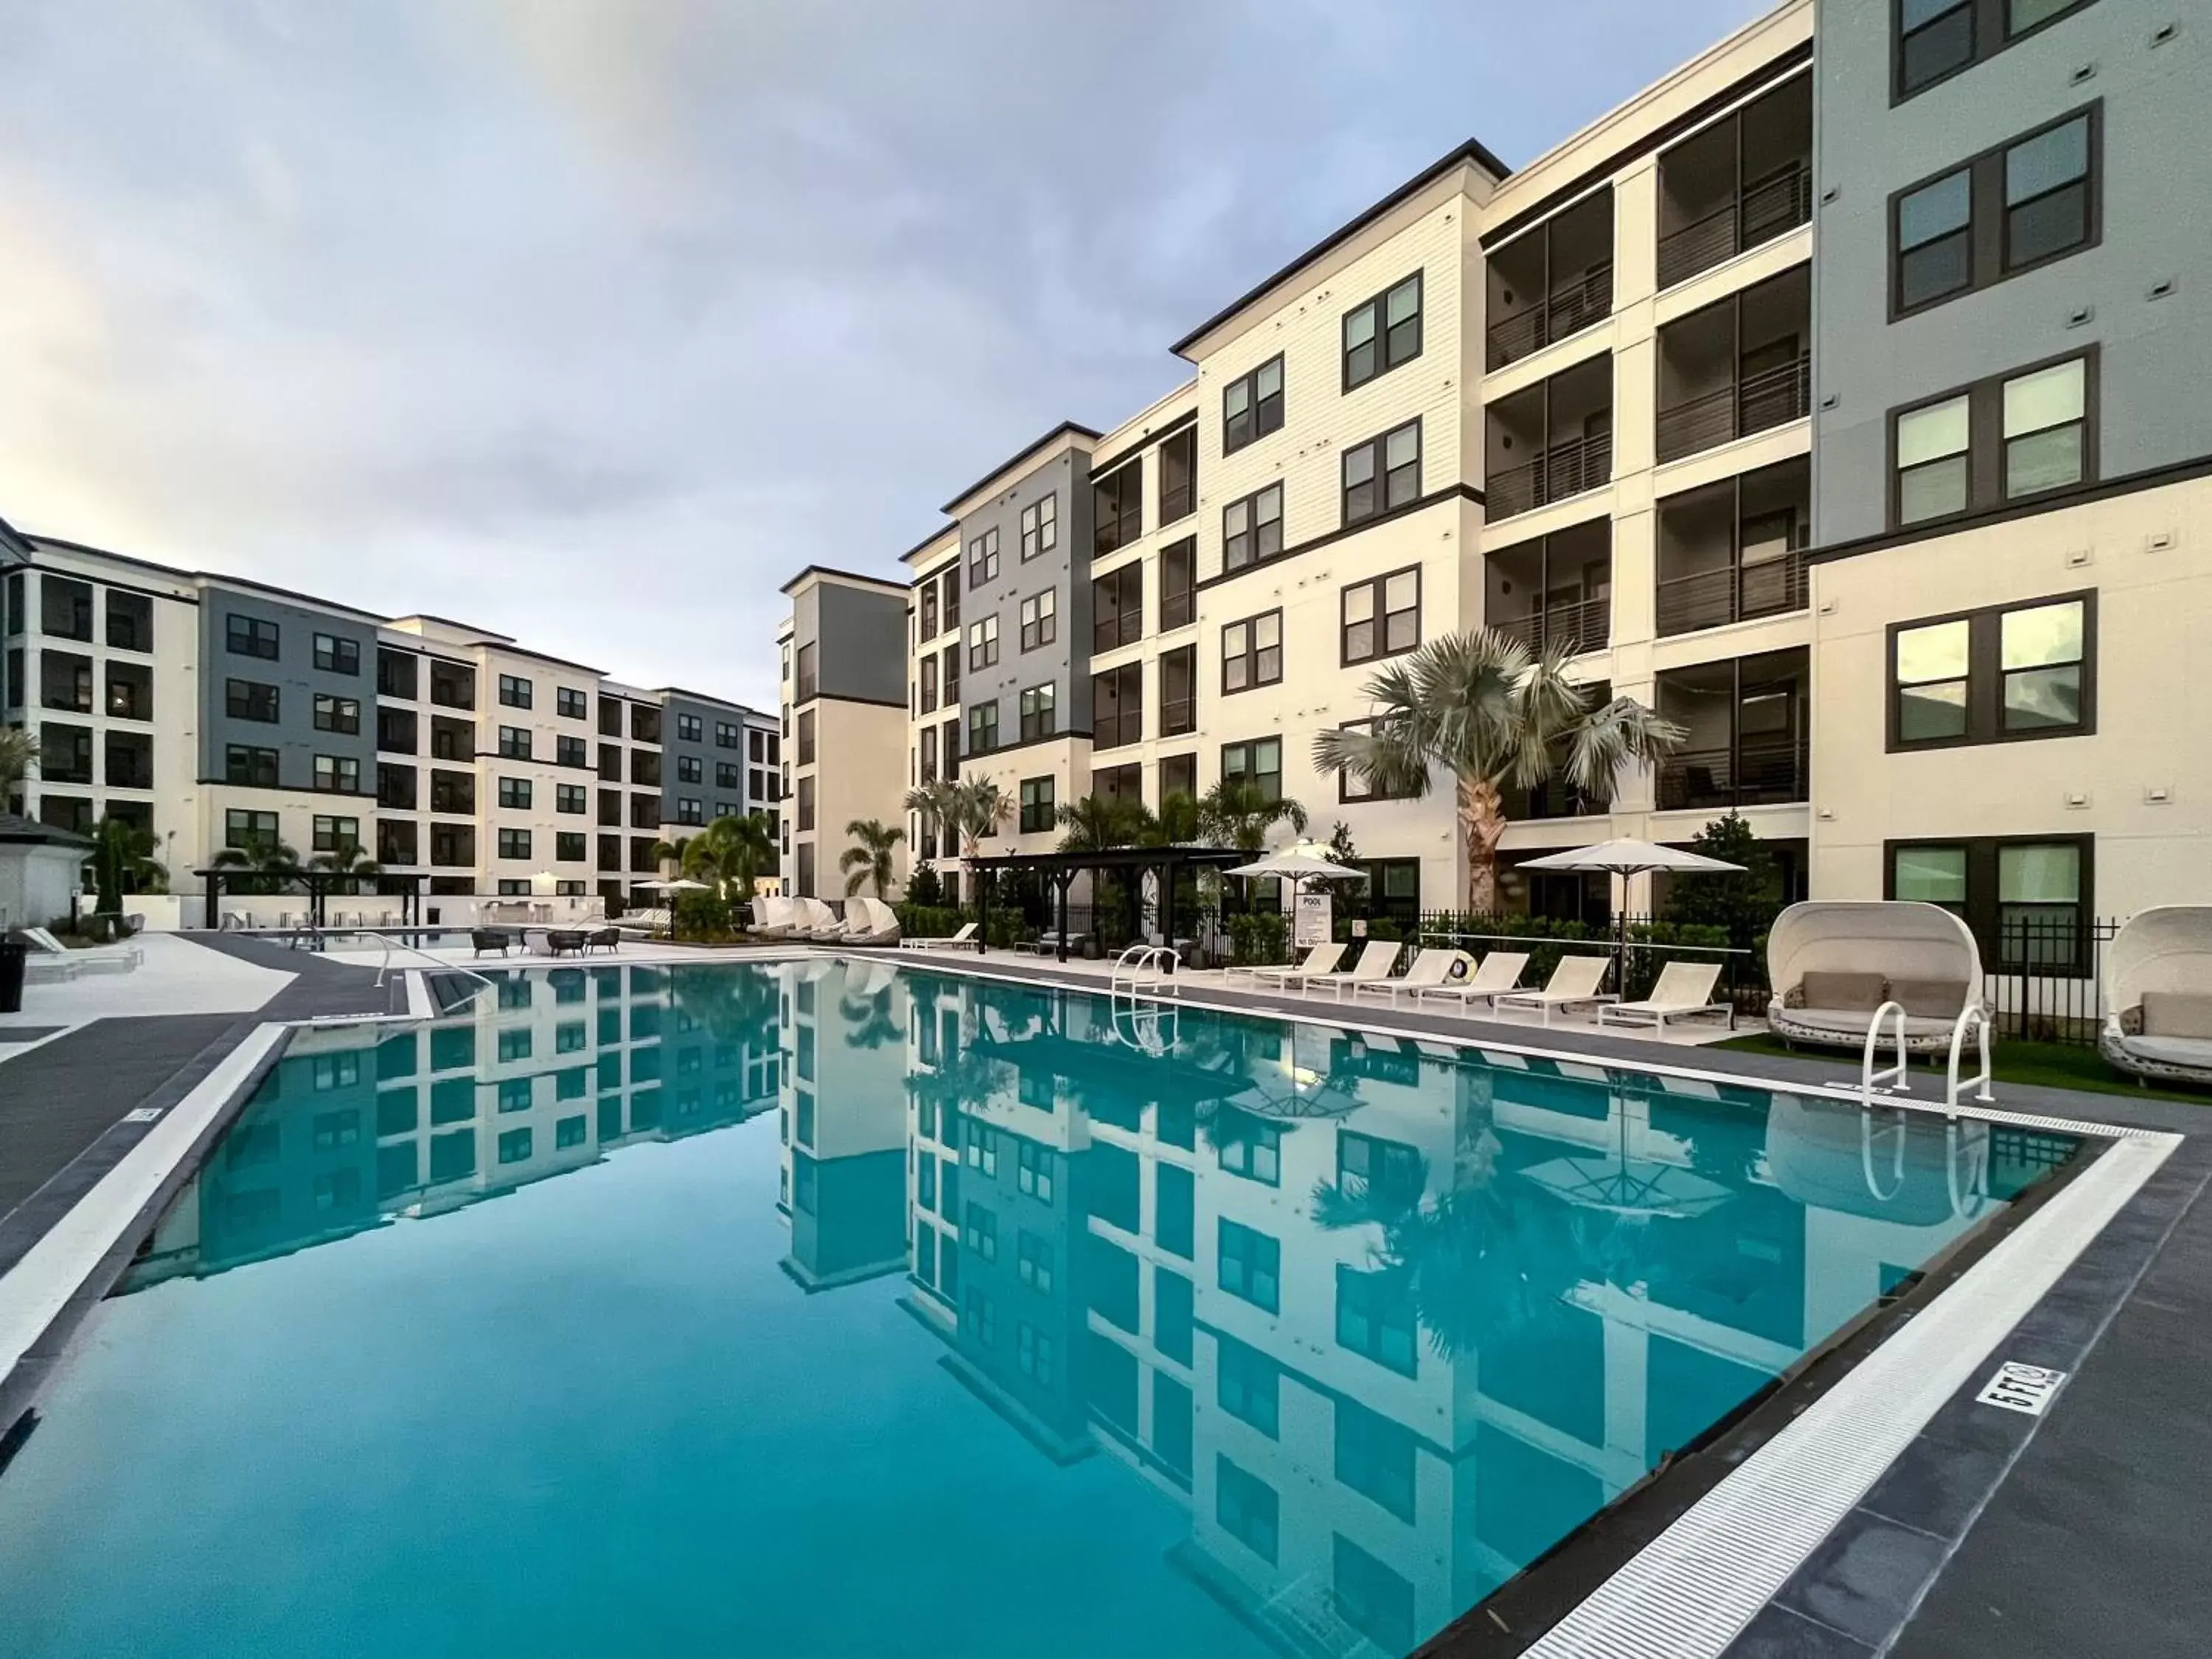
{"x": 1098, "y": 822}
{"x": 732, "y": 853}
{"x": 869, "y": 862}
{"x": 666, "y": 852}
{"x": 1236, "y": 812}
{"x": 19, "y": 758}
{"x": 1481, "y": 707}
{"x": 981, "y": 809}
{"x": 270, "y": 865}
{"x": 347, "y": 860}
{"x": 122, "y": 862}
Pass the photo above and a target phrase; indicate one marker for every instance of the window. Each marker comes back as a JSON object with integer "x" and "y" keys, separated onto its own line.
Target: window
{"x": 332, "y": 835}
{"x": 689, "y": 768}
{"x": 806, "y": 737}
{"x": 806, "y": 686}
{"x": 1993, "y": 675}
{"x": 1252, "y": 529}
{"x": 1178, "y": 776}
{"x": 569, "y": 798}
{"x": 1375, "y": 1457}
{"x": 983, "y": 558}
{"x": 1247, "y": 1384}
{"x": 1117, "y": 607}
{"x": 337, "y": 713}
{"x": 337, "y": 775}
{"x": 1178, "y": 691}
{"x": 129, "y": 621}
{"x": 983, "y": 728}
{"x": 1382, "y": 475}
{"x": 1245, "y": 1146}
{"x": 1038, "y": 806}
{"x": 1247, "y": 1508}
{"x": 1039, "y": 618}
{"x": 982, "y": 644}
{"x": 1259, "y": 759}
{"x": 1039, "y": 529}
{"x": 570, "y": 703}
{"x": 1179, "y": 475}
{"x": 1382, "y": 334}
{"x": 1179, "y": 584}
{"x": 1037, "y": 713}
{"x": 241, "y": 828}
{"x": 929, "y": 624}
{"x": 247, "y": 636}
{"x": 689, "y": 811}
{"x": 396, "y": 674}
{"x": 727, "y": 735}
{"x": 1117, "y": 506}
{"x": 2025, "y": 898}
{"x": 250, "y": 700}
{"x": 728, "y": 775}
{"x": 1382, "y": 617}
{"x": 1251, "y": 1265}
{"x": 514, "y": 743}
{"x": 515, "y": 794}
{"x": 1117, "y": 706}
{"x": 568, "y": 845}
{"x": 513, "y": 691}
{"x": 691, "y": 728}
{"x": 1351, "y": 788}
{"x": 1252, "y": 407}
{"x": 1034, "y": 1175}
{"x": 514, "y": 843}
{"x": 2002, "y": 440}
{"x": 1252, "y": 653}
{"x": 1935, "y": 39}
{"x": 334, "y": 655}
{"x": 1375, "y": 1317}
{"x": 2008, "y": 209}
{"x": 570, "y": 752}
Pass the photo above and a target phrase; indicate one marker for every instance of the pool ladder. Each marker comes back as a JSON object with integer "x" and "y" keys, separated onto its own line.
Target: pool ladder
{"x": 1973, "y": 1022}
{"x": 1143, "y": 977}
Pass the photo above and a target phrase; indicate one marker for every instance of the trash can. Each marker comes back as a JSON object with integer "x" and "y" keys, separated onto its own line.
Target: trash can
{"x": 13, "y": 955}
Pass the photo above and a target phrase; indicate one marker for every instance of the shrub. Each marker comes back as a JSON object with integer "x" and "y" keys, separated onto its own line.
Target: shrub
{"x": 924, "y": 888}
{"x": 926, "y": 921}
{"x": 1256, "y": 938}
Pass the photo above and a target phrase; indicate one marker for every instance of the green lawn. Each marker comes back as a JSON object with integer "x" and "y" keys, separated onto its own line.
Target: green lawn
{"x": 2041, "y": 1065}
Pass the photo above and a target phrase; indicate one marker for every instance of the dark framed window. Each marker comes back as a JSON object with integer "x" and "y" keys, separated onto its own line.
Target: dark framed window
{"x": 689, "y": 768}
{"x": 1040, "y": 528}
{"x": 1252, "y": 405}
{"x": 1247, "y": 1508}
{"x": 1933, "y": 40}
{"x": 1375, "y": 1457}
{"x": 2005, "y": 439}
{"x": 1179, "y": 584}
{"x": 1259, "y": 759}
{"x": 568, "y": 845}
{"x": 690, "y": 810}
{"x": 1179, "y": 475}
{"x": 953, "y": 672}
{"x": 1997, "y": 675}
{"x": 1117, "y": 607}
{"x": 1351, "y": 787}
{"x": 1037, "y": 713}
{"x": 256, "y": 768}
{"x": 928, "y": 625}
{"x": 1038, "y": 808}
{"x": 927, "y": 697}
{"x": 1252, "y": 653}
{"x": 1384, "y": 333}
{"x": 1039, "y": 619}
{"x": 983, "y": 727}
{"x": 1117, "y": 506}
{"x": 691, "y": 728}
{"x": 246, "y": 636}
{"x": 1252, "y": 528}
{"x": 514, "y": 743}
{"x": 337, "y": 713}
{"x": 334, "y": 655}
{"x": 2026, "y": 898}
{"x": 983, "y": 557}
{"x": 571, "y": 798}
{"x": 515, "y": 691}
{"x": 727, "y": 735}
{"x": 337, "y": 774}
{"x": 571, "y": 751}
{"x": 1375, "y": 1318}
{"x": 570, "y": 703}
{"x": 1178, "y": 691}
{"x": 240, "y": 826}
{"x": 1382, "y": 475}
{"x": 514, "y": 843}
{"x": 129, "y": 621}
{"x": 1178, "y": 776}
{"x": 728, "y": 775}
{"x": 1246, "y": 1146}
{"x": 1251, "y": 1265}
{"x": 1394, "y": 890}
{"x": 1247, "y": 1384}
{"x": 515, "y": 793}
{"x": 251, "y": 699}
{"x": 2016, "y": 206}
{"x": 1117, "y": 706}
{"x": 398, "y": 674}
{"x": 982, "y": 643}
{"x": 329, "y": 834}
{"x": 1382, "y": 617}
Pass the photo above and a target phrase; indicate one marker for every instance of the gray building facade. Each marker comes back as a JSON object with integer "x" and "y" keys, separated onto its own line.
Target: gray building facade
{"x": 288, "y": 697}
{"x": 703, "y": 759}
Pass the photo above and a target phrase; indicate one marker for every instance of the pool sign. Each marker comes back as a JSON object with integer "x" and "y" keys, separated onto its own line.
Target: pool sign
{"x": 1312, "y": 921}
{"x": 2018, "y": 1388}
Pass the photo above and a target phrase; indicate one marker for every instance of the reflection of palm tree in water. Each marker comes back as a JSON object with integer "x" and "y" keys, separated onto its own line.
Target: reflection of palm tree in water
{"x": 733, "y": 1007}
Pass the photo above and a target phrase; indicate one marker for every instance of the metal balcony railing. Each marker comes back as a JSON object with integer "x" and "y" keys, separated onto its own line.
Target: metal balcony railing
{"x": 1586, "y": 625}
{"x": 1713, "y": 598}
{"x": 1773, "y": 397}
{"x": 1768, "y": 210}
{"x": 1754, "y": 772}
{"x": 1570, "y": 311}
{"x": 1564, "y": 470}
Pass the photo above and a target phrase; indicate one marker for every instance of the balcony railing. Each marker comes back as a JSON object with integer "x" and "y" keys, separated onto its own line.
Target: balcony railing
{"x": 1570, "y": 311}
{"x": 1766, "y": 211}
{"x": 1564, "y": 470}
{"x": 1713, "y": 598}
{"x": 1773, "y": 397}
{"x": 1586, "y": 625}
{"x": 1757, "y": 771}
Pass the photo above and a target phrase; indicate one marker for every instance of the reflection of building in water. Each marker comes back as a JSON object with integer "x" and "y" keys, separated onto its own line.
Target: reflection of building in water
{"x": 843, "y": 1121}
{"x": 1391, "y": 1325}
{"x": 542, "y": 1074}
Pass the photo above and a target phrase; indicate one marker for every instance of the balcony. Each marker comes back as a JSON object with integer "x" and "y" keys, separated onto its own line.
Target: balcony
{"x": 130, "y": 760}
{"x": 1734, "y": 549}
{"x": 1550, "y": 441}
{"x": 1554, "y": 281}
{"x": 453, "y": 688}
{"x": 1738, "y": 184}
{"x": 1736, "y": 367}
{"x": 1747, "y": 727}
{"x": 1554, "y": 593}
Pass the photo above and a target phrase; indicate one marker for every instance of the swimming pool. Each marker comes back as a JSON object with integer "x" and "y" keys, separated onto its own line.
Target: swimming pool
{"x": 880, "y": 1311}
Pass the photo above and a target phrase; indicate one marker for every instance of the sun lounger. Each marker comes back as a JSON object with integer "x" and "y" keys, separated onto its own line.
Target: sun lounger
{"x": 870, "y": 922}
{"x": 1684, "y": 990}
{"x": 957, "y": 941}
{"x": 1375, "y": 963}
{"x": 1430, "y": 968}
{"x": 772, "y": 916}
{"x": 643, "y": 921}
{"x": 1321, "y": 963}
{"x": 1575, "y": 980}
{"x": 108, "y": 958}
{"x": 1499, "y": 973}
{"x": 1048, "y": 943}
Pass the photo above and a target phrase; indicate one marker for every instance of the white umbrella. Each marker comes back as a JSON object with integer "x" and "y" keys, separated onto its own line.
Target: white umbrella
{"x": 676, "y": 884}
{"x": 1297, "y": 863}
{"x": 1624, "y": 859}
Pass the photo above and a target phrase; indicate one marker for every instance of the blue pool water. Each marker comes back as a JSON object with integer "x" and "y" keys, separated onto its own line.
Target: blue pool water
{"x": 828, "y": 1311}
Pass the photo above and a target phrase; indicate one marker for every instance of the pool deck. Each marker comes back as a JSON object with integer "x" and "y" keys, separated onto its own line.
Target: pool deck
{"x": 1995, "y": 1534}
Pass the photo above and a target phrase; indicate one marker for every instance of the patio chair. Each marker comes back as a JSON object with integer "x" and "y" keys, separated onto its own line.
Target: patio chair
{"x": 818, "y": 923}
{"x": 1375, "y": 963}
{"x": 1429, "y": 969}
{"x": 772, "y": 916}
{"x": 1833, "y": 963}
{"x": 495, "y": 940}
{"x": 876, "y": 923}
{"x": 965, "y": 937}
{"x": 1685, "y": 991}
{"x": 1500, "y": 972}
{"x": 1320, "y": 962}
{"x": 603, "y": 939}
{"x": 1573, "y": 982}
{"x": 2158, "y": 995}
{"x": 1046, "y": 943}
{"x": 99, "y": 958}
{"x": 537, "y": 942}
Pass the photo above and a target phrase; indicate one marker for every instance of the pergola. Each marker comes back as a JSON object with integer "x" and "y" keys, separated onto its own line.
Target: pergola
{"x": 318, "y": 884}
{"x": 1061, "y": 870}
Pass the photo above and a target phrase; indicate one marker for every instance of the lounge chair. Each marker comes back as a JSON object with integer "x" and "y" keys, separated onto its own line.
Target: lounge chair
{"x": 1573, "y": 982}
{"x": 2158, "y": 995}
{"x": 957, "y": 941}
{"x": 1375, "y": 963}
{"x": 1499, "y": 973}
{"x": 772, "y": 916}
{"x": 98, "y": 959}
{"x": 1685, "y": 991}
{"x": 1429, "y": 969}
{"x": 817, "y": 921}
{"x": 870, "y": 922}
{"x": 1833, "y": 963}
{"x": 643, "y": 921}
{"x": 1320, "y": 962}
{"x": 1048, "y": 943}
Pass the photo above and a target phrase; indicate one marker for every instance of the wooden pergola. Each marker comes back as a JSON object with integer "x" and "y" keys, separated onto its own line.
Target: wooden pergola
{"x": 317, "y": 884}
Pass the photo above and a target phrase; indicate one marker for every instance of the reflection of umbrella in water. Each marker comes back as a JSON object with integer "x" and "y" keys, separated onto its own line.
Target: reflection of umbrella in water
{"x": 1618, "y": 1184}
{"x": 1295, "y": 1095}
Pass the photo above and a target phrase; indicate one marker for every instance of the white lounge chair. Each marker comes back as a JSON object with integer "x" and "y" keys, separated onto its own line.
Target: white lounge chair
{"x": 818, "y": 923}
{"x": 1321, "y": 963}
{"x": 772, "y": 917}
{"x": 1833, "y": 963}
{"x": 870, "y": 922}
{"x": 2158, "y": 995}
{"x": 957, "y": 941}
{"x": 1374, "y": 964}
{"x": 643, "y": 921}
{"x": 1685, "y": 991}
{"x": 1429, "y": 969}
{"x": 98, "y": 959}
{"x": 1499, "y": 972}
{"x": 1573, "y": 982}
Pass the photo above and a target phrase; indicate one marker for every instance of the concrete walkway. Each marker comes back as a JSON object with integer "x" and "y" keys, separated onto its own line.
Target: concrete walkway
{"x": 179, "y": 975}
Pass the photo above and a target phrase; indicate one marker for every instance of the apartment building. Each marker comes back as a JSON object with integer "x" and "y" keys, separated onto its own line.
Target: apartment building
{"x": 842, "y": 662}
{"x": 218, "y": 713}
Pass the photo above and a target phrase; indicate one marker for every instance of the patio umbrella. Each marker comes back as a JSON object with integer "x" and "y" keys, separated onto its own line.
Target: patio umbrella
{"x": 1299, "y": 863}
{"x": 672, "y": 886}
{"x": 1625, "y": 859}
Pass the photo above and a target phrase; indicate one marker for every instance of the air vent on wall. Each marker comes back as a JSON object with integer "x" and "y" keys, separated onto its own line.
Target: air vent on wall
{"x": 2086, "y": 72}
{"x": 2159, "y": 289}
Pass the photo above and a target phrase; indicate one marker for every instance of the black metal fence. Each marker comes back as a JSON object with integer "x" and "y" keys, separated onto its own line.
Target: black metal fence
{"x": 2044, "y": 980}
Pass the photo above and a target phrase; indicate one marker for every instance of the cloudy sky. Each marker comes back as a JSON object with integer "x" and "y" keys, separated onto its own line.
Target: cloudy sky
{"x": 593, "y": 320}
